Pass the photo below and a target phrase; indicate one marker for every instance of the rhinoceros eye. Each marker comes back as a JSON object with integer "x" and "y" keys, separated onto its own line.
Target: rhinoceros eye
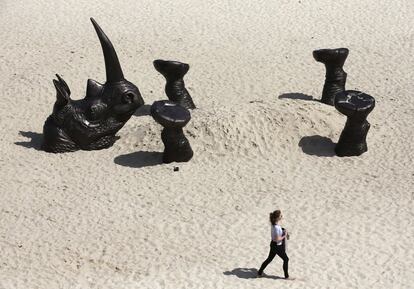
{"x": 128, "y": 97}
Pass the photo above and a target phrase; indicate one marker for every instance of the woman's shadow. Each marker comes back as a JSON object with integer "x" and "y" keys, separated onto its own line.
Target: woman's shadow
{"x": 248, "y": 273}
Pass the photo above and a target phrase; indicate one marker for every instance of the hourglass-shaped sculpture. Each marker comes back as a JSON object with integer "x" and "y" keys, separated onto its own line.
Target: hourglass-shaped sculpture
{"x": 173, "y": 117}
{"x": 356, "y": 106}
{"x": 335, "y": 76}
{"x": 174, "y": 72}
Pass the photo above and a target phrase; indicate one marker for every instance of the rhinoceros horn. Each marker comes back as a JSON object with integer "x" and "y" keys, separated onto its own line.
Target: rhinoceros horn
{"x": 112, "y": 66}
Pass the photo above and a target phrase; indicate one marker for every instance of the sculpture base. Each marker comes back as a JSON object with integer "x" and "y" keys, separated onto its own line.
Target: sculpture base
{"x": 177, "y": 146}
{"x": 352, "y": 141}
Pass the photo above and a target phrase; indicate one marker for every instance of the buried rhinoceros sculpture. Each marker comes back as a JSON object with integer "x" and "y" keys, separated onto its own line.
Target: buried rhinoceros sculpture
{"x": 91, "y": 123}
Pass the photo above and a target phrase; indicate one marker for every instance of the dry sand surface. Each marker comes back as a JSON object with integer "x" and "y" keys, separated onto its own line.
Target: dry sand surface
{"x": 118, "y": 218}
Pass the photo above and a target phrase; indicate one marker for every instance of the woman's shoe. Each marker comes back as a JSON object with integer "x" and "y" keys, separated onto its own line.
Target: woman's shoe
{"x": 289, "y": 278}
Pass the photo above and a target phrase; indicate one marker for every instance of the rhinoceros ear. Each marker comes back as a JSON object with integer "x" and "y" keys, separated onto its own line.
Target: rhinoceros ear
{"x": 62, "y": 92}
{"x": 93, "y": 88}
{"x": 63, "y": 84}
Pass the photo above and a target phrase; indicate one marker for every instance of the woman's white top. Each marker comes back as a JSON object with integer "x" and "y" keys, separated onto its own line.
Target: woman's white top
{"x": 276, "y": 230}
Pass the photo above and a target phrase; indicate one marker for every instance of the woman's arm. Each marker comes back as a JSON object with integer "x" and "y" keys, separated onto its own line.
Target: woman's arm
{"x": 279, "y": 238}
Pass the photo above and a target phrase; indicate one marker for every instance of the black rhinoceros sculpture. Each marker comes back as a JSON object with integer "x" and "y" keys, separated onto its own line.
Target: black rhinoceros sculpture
{"x": 92, "y": 122}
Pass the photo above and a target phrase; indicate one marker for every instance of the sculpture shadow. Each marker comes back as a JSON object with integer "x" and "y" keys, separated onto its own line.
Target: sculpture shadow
{"x": 143, "y": 110}
{"x": 139, "y": 159}
{"x": 297, "y": 95}
{"x": 35, "y": 140}
{"x": 317, "y": 145}
{"x": 248, "y": 273}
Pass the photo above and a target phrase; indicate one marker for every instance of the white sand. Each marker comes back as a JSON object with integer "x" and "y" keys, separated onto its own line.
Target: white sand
{"x": 117, "y": 218}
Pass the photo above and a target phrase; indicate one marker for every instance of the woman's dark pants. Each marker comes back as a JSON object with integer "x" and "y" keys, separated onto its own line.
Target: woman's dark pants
{"x": 276, "y": 250}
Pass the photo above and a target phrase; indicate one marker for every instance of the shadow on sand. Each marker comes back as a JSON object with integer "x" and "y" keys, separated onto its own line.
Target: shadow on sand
{"x": 139, "y": 159}
{"x": 35, "y": 141}
{"x": 248, "y": 273}
{"x": 297, "y": 95}
{"x": 317, "y": 145}
{"x": 143, "y": 110}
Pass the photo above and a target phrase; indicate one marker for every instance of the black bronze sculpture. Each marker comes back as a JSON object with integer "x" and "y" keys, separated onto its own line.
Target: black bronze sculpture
{"x": 356, "y": 106}
{"x": 173, "y": 117}
{"x": 335, "y": 76}
{"x": 174, "y": 71}
{"x": 91, "y": 123}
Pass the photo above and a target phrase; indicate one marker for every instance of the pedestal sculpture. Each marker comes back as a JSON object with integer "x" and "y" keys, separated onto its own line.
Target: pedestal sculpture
{"x": 335, "y": 76}
{"x": 91, "y": 123}
{"x": 174, "y": 71}
{"x": 173, "y": 118}
{"x": 356, "y": 106}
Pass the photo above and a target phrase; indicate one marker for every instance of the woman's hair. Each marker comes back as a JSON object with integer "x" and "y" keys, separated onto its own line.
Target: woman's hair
{"x": 274, "y": 216}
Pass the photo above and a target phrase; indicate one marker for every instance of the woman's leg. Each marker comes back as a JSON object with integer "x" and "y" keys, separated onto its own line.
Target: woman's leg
{"x": 280, "y": 251}
{"x": 272, "y": 254}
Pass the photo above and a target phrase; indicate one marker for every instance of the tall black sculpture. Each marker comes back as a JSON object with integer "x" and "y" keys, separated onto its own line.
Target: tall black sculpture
{"x": 174, "y": 71}
{"x": 356, "y": 106}
{"x": 173, "y": 117}
{"x": 335, "y": 76}
{"x": 91, "y": 123}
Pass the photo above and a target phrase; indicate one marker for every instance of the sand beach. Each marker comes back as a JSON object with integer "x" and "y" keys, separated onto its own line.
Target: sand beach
{"x": 119, "y": 218}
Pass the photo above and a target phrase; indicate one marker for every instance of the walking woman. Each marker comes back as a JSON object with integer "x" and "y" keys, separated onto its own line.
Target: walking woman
{"x": 277, "y": 245}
